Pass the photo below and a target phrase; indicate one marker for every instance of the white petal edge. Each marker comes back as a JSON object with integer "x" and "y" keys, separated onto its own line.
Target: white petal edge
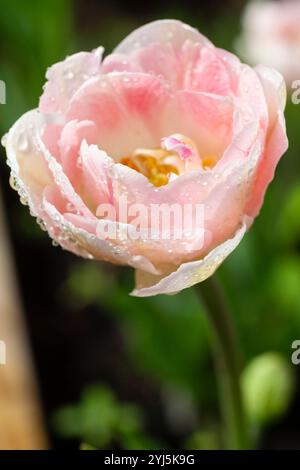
{"x": 90, "y": 246}
{"x": 20, "y": 130}
{"x": 65, "y": 77}
{"x": 189, "y": 274}
{"x": 161, "y": 32}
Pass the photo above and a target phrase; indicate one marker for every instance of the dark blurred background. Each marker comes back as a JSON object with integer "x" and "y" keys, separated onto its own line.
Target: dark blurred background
{"x": 120, "y": 372}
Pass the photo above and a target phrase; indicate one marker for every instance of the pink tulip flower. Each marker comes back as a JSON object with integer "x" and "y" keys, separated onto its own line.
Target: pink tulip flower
{"x": 167, "y": 120}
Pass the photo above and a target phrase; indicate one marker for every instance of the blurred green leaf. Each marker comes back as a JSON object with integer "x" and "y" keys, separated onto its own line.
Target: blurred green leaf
{"x": 67, "y": 421}
{"x": 167, "y": 335}
{"x": 203, "y": 440}
{"x": 85, "y": 446}
{"x": 101, "y": 421}
{"x": 289, "y": 222}
{"x": 33, "y": 36}
{"x": 283, "y": 284}
{"x": 99, "y": 412}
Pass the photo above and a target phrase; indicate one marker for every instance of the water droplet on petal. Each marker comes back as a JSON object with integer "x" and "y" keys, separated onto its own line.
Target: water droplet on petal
{"x": 23, "y": 144}
{"x": 68, "y": 74}
{"x": 13, "y": 182}
{"x": 70, "y": 207}
{"x": 24, "y": 200}
{"x": 42, "y": 224}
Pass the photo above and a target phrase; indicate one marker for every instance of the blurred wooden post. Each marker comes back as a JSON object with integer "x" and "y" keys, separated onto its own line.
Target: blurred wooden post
{"x": 20, "y": 416}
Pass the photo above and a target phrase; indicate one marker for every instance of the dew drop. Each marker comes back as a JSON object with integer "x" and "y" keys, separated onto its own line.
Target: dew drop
{"x": 23, "y": 143}
{"x": 70, "y": 207}
{"x": 42, "y": 224}
{"x": 69, "y": 75}
{"x": 13, "y": 182}
{"x": 24, "y": 200}
{"x": 79, "y": 162}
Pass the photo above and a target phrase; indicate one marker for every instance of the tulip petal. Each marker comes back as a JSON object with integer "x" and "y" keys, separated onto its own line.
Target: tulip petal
{"x": 65, "y": 77}
{"x": 187, "y": 274}
{"x": 26, "y": 160}
{"x": 77, "y": 234}
{"x": 276, "y": 142}
{"x": 173, "y": 32}
{"x": 175, "y": 52}
{"x": 126, "y": 108}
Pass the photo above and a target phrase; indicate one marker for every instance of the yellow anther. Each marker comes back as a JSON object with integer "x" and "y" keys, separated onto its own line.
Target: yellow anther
{"x": 159, "y": 164}
{"x": 151, "y": 164}
{"x": 208, "y": 161}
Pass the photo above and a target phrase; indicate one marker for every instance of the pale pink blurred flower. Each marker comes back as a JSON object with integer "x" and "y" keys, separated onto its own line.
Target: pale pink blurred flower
{"x": 166, "y": 118}
{"x": 271, "y": 36}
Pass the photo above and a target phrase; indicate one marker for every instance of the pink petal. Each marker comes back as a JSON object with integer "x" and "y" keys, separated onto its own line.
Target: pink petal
{"x": 62, "y": 181}
{"x": 189, "y": 273}
{"x": 201, "y": 117}
{"x": 65, "y": 77}
{"x": 96, "y": 175}
{"x": 187, "y": 60}
{"x": 78, "y": 234}
{"x": 161, "y": 32}
{"x": 26, "y": 159}
{"x": 72, "y": 135}
{"x": 276, "y": 141}
{"x": 120, "y": 63}
{"x": 204, "y": 71}
{"x": 127, "y": 109}
{"x": 173, "y": 143}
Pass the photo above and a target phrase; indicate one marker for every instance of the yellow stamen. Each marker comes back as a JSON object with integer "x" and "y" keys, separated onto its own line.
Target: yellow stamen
{"x": 159, "y": 164}
{"x": 151, "y": 164}
{"x": 208, "y": 161}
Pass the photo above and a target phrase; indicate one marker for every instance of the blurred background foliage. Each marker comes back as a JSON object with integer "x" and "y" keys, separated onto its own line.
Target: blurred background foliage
{"x": 121, "y": 372}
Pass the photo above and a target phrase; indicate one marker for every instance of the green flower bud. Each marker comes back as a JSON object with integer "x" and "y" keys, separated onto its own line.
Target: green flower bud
{"x": 267, "y": 386}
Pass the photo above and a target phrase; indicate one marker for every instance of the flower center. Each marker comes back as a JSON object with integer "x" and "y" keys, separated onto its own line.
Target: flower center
{"x": 152, "y": 163}
{"x": 177, "y": 155}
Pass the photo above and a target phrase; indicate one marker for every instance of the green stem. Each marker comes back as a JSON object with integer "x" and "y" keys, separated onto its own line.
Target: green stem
{"x": 227, "y": 364}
